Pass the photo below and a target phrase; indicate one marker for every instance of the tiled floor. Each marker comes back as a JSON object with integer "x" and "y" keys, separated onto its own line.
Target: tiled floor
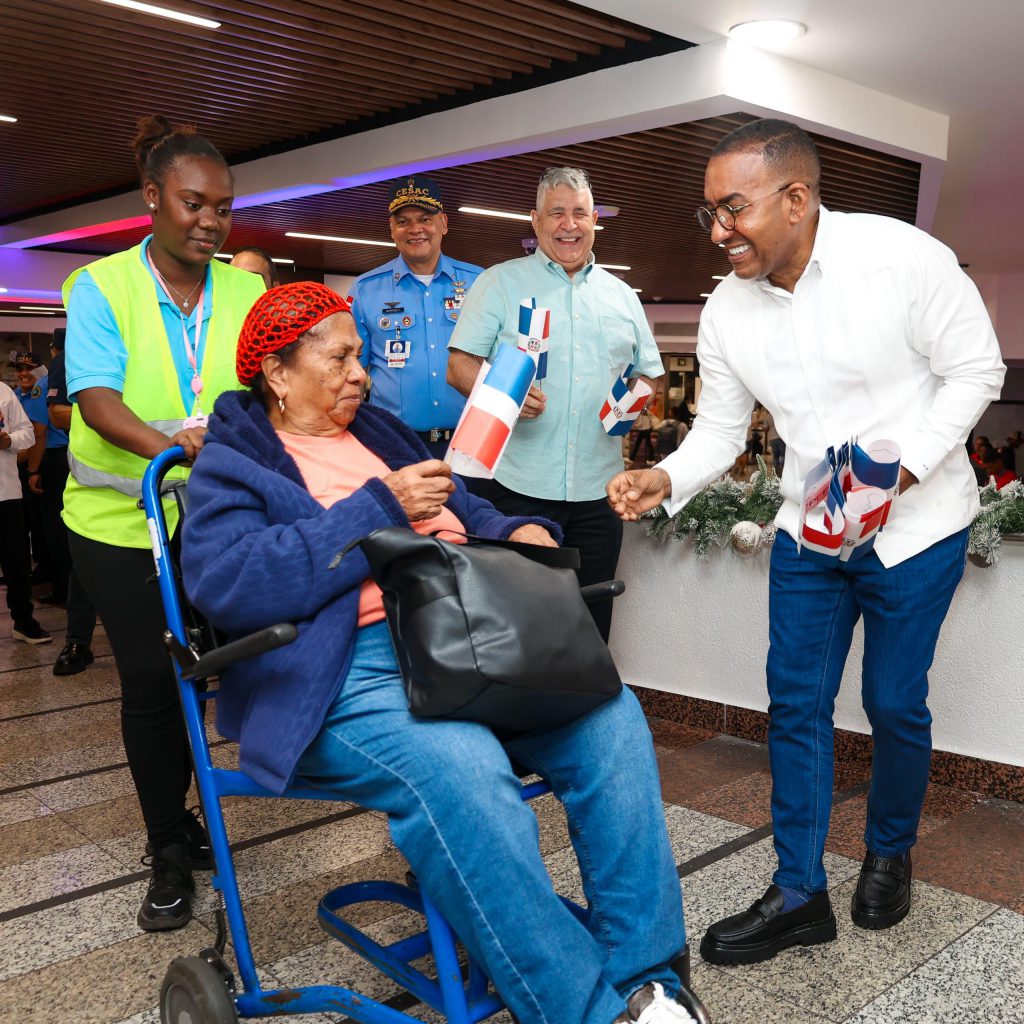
{"x": 70, "y": 881}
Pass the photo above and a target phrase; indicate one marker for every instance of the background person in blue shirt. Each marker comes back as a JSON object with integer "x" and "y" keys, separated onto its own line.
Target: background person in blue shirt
{"x": 559, "y": 455}
{"x": 405, "y": 312}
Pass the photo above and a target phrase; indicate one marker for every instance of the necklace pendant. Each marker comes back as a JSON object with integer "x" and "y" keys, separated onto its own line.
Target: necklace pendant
{"x": 186, "y": 303}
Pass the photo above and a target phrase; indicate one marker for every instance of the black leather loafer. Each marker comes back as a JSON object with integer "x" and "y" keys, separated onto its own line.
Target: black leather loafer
{"x": 882, "y": 897}
{"x": 762, "y": 931}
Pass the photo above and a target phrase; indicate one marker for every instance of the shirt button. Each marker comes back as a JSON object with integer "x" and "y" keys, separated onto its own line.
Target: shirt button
{"x": 433, "y": 346}
{"x": 428, "y": 295}
{"x": 579, "y": 378}
{"x": 576, "y": 316}
{"x": 433, "y": 374}
{"x": 435, "y": 403}
{"x": 430, "y": 319}
{"x": 577, "y": 348}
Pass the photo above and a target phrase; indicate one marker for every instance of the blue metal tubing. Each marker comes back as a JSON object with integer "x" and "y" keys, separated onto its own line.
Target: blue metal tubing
{"x": 319, "y": 999}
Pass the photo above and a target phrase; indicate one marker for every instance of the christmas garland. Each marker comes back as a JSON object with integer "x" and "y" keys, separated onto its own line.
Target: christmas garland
{"x": 742, "y": 514}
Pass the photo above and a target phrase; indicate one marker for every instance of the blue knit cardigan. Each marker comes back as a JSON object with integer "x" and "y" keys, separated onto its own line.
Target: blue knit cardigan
{"x": 258, "y": 549}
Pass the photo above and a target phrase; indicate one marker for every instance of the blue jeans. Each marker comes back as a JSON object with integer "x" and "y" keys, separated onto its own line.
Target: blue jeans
{"x": 454, "y": 810}
{"x": 812, "y": 612}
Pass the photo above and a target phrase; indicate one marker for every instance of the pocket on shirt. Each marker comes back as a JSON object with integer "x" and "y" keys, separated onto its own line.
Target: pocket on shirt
{"x": 619, "y": 338}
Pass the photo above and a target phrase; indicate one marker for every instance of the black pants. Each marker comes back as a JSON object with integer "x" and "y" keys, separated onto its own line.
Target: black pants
{"x": 642, "y": 440}
{"x": 53, "y": 472}
{"x": 32, "y": 510}
{"x": 590, "y": 526}
{"x": 14, "y": 560}
{"x": 152, "y": 724}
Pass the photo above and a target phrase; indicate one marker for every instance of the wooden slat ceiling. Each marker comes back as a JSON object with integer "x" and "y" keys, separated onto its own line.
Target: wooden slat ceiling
{"x": 278, "y": 74}
{"x": 655, "y": 178}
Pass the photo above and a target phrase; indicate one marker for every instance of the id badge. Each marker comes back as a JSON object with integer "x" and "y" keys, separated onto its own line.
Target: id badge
{"x": 396, "y": 352}
{"x": 199, "y": 419}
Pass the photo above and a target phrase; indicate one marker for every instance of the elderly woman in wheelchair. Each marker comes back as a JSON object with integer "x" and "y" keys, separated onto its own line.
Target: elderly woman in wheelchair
{"x": 295, "y": 469}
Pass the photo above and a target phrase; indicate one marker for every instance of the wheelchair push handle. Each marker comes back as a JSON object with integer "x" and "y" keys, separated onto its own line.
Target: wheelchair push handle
{"x": 220, "y": 658}
{"x": 602, "y": 591}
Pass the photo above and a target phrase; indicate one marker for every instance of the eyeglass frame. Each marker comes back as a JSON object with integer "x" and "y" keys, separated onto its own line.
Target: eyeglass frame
{"x": 734, "y": 211}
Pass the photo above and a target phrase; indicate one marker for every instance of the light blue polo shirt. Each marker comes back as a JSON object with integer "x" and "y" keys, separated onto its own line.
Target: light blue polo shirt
{"x": 96, "y": 356}
{"x": 34, "y": 404}
{"x": 389, "y": 304}
{"x": 597, "y": 326}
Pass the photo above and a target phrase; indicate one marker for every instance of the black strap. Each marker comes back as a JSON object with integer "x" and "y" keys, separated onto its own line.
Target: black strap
{"x": 433, "y": 588}
{"x": 553, "y": 558}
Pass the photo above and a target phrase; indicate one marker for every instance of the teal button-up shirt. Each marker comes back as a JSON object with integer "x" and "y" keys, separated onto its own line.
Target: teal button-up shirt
{"x": 597, "y": 326}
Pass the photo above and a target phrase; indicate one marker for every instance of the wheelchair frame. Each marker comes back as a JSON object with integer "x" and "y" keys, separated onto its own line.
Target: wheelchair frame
{"x": 462, "y": 1001}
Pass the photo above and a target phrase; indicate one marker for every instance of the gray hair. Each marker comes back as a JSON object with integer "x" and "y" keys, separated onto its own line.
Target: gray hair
{"x": 575, "y": 177}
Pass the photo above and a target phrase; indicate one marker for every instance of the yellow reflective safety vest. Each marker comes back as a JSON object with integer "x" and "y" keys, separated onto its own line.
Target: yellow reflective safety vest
{"x": 100, "y": 500}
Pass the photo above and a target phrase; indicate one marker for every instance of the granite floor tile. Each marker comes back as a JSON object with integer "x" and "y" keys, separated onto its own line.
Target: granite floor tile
{"x": 978, "y": 852}
{"x": 92, "y": 789}
{"x": 732, "y": 1000}
{"x": 17, "y": 655}
{"x": 838, "y": 978}
{"x": 15, "y": 807}
{"x": 672, "y": 734}
{"x": 975, "y": 979}
{"x": 690, "y": 771}
{"x": 55, "y": 875}
{"x": 22, "y": 739}
{"x": 40, "y": 770}
{"x": 846, "y": 830}
{"x": 692, "y": 833}
{"x": 747, "y": 801}
{"x": 35, "y": 837}
{"x": 944, "y": 802}
{"x": 39, "y": 690}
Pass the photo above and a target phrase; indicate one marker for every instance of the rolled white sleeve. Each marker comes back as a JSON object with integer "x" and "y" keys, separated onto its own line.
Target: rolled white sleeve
{"x": 719, "y": 432}
{"x": 16, "y": 423}
{"x": 952, "y": 330}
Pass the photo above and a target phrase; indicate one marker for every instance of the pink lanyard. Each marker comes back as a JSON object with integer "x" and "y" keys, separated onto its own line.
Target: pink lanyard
{"x": 191, "y": 352}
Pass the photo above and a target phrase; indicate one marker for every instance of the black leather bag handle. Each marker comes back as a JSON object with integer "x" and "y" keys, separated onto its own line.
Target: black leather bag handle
{"x": 553, "y": 558}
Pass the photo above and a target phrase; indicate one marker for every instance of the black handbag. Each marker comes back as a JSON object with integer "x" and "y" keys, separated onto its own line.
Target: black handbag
{"x": 490, "y": 631}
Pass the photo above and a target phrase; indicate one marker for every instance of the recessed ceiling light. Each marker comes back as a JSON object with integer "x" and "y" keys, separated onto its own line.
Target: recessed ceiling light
{"x": 705, "y": 295}
{"x": 719, "y": 277}
{"x": 638, "y": 290}
{"x": 3, "y": 289}
{"x": 281, "y": 259}
{"x": 505, "y": 214}
{"x": 231, "y": 256}
{"x": 44, "y": 309}
{"x": 613, "y": 266}
{"x": 163, "y": 12}
{"x": 9, "y": 120}
{"x": 767, "y": 32}
{"x": 26, "y": 312}
{"x": 335, "y": 238}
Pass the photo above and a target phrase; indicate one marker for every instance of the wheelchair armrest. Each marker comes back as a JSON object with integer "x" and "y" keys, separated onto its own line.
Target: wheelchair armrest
{"x": 220, "y": 658}
{"x": 601, "y": 591}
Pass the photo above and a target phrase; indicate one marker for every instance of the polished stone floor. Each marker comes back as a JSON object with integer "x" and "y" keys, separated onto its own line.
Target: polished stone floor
{"x": 71, "y": 882}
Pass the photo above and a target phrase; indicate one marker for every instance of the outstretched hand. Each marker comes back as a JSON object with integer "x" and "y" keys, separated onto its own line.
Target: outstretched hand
{"x": 635, "y": 491}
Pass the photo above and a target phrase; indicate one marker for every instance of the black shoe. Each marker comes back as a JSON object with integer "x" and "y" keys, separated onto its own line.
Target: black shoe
{"x": 168, "y": 902}
{"x": 883, "y": 892}
{"x": 762, "y": 931}
{"x": 196, "y": 841}
{"x": 73, "y": 659}
{"x": 30, "y": 632}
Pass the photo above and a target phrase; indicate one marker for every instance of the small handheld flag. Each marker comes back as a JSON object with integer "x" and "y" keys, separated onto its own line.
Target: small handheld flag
{"x": 622, "y": 406}
{"x": 534, "y": 331}
{"x": 491, "y": 412}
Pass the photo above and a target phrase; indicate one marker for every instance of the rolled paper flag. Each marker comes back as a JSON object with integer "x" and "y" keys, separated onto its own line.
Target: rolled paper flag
{"x": 823, "y": 523}
{"x": 624, "y": 404}
{"x": 490, "y": 414}
{"x": 863, "y": 512}
{"x": 879, "y": 466}
{"x": 534, "y": 331}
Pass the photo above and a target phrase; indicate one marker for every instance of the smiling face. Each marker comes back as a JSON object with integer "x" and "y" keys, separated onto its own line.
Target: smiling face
{"x": 193, "y": 210}
{"x": 773, "y": 237}
{"x": 565, "y": 226}
{"x": 418, "y": 233}
{"x": 322, "y": 382}
{"x": 25, "y": 376}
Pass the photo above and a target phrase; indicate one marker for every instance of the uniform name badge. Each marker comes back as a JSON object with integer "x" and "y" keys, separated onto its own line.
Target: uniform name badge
{"x": 396, "y": 352}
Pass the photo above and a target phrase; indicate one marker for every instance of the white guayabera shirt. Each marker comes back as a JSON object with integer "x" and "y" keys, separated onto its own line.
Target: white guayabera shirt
{"x": 884, "y": 336}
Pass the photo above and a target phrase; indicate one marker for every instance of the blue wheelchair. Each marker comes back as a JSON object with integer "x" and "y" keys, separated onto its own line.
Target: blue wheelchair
{"x": 203, "y": 989}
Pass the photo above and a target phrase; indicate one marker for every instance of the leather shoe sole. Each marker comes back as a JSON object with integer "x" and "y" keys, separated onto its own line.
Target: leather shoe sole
{"x": 764, "y": 930}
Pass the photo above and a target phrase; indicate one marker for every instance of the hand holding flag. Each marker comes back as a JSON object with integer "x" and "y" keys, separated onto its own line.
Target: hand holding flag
{"x": 623, "y": 405}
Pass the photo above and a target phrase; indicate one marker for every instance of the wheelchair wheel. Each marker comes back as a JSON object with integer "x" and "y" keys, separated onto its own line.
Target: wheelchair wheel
{"x": 194, "y": 992}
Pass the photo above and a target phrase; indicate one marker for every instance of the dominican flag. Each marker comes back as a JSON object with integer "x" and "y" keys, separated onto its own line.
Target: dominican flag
{"x": 879, "y": 466}
{"x": 534, "y": 331}
{"x": 622, "y": 406}
{"x": 490, "y": 413}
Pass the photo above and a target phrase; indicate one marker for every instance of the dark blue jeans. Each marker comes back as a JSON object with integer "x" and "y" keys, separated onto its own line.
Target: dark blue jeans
{"x": 812, "y": 613}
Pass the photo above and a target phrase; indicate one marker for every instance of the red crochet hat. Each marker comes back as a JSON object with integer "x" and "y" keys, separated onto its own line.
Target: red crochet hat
{"x": 277, "y": 319}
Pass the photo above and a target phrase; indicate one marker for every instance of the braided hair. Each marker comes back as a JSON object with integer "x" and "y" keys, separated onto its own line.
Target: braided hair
{"x": 158, "y": 144}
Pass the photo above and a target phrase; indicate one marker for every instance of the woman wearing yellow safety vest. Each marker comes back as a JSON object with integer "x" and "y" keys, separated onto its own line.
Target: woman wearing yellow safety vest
{"x": 150, "y": 345}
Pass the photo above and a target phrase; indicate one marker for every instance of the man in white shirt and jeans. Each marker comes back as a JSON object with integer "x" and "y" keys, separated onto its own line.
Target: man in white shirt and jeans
{"x": 841, "y": 325}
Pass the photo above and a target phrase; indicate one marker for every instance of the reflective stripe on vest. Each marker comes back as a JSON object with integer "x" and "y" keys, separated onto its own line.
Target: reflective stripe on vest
{"x": 129, "y": 485}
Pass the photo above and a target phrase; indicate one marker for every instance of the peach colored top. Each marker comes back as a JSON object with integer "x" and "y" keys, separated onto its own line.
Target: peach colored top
{"x": 334, "y": 467}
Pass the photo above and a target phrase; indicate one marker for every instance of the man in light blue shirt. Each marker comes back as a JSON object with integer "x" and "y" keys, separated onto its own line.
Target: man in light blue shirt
{"x": 559, "y": 456}
{"x": 405, "y": 312}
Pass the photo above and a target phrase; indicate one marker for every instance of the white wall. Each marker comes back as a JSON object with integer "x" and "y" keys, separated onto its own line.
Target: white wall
{"x": 701, "y": 629}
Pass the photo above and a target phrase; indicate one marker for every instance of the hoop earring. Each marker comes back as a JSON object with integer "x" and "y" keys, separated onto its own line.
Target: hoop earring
{"x": 280, "y": 405}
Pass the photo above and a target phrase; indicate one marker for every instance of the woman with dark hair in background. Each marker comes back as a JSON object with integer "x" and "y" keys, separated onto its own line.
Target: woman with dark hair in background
{"x": 150, "y": 345}
{"x": 256, "y": 261}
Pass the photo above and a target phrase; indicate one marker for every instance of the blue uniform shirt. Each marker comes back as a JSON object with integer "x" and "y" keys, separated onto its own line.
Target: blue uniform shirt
{"x": 407, "y": 324}
{"x": 96, "y": 353}
{"x": 34, "y": 404}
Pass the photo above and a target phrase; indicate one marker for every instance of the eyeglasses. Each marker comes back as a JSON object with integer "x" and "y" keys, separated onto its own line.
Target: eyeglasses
{"x": 726, "y": 215}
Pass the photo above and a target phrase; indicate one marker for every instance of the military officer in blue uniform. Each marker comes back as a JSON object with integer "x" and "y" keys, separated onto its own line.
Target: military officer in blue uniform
{"x": 406, "y": 310}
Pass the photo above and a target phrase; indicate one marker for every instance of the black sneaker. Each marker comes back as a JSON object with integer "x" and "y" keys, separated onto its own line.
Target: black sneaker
{"x": 168, "y": 902}
{"x": 73, "y": 659}
{"x": 197, "y": 842}
{"x": 30, "y": 632}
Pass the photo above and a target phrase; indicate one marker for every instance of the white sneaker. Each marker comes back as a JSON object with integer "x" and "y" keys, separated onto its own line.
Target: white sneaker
{"x": 653, "y": 1005}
